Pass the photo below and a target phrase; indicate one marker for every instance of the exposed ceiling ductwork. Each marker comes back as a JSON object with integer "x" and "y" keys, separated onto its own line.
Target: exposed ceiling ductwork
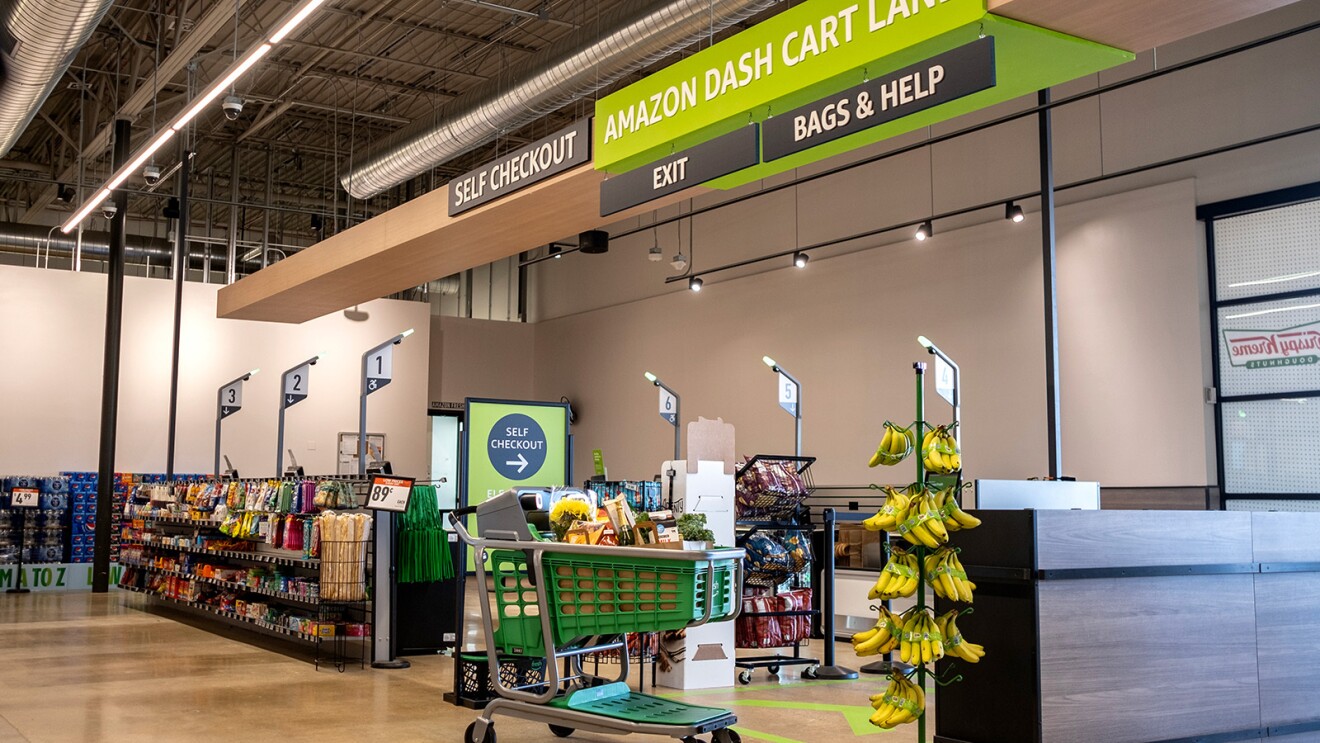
{"x": 587, "y": 60}
{"x": 35, "y": 240}
{"x": 41, "y": 38}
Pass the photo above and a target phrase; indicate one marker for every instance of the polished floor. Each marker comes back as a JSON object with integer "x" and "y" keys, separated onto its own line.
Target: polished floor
{"x": 79, "y": 667}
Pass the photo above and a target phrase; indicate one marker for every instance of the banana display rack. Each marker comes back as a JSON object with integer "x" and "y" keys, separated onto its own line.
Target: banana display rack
{"x": 565, "y": 601}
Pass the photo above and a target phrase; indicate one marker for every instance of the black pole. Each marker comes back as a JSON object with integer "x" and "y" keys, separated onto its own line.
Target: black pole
{"x": 114, "y": 320}
{"x": 1049, "y": 256}
{"x": 828, "y": 670}
{"x": 180, "y": 272}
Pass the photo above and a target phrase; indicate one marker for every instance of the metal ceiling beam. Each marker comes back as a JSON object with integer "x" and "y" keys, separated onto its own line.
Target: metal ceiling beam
{"x": 390, "y": 60}
{"x": 543, "y": 15}
{"x": 436, "y": 30}
{"x": 215, "y": 20}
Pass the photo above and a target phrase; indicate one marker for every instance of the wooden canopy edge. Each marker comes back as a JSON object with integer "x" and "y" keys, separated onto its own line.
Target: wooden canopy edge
{"x": 419, "y": 242}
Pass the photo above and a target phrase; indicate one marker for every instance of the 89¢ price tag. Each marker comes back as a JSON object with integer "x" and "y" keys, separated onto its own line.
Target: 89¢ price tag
{"x": 390, "y": 493}
{"x": 25, "y": 498}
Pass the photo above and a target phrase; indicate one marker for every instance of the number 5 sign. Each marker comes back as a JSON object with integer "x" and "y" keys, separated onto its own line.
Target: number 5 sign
{"x": 788, "y": 394}
{"x": 390, "y": 493}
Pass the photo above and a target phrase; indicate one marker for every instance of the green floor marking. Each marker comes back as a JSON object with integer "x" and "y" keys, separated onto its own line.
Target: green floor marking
{"x": 752, "y": 734}
{"x": 753, "y": 687}
{"x": 858, "y": 717}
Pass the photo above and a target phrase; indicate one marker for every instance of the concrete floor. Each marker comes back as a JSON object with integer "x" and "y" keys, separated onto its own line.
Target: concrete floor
{"x": 79, "y": 667}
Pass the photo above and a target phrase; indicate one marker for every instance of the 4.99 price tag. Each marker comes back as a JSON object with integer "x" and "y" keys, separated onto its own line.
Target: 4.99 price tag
{"x": 25, "y": 498}
{"x": 390, "y": 493}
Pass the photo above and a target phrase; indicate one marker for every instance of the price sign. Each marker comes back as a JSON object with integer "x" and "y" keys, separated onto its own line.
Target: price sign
{"x": 231, "y": 399}
{"x": 788, "y": 395}
{"x": 295, "y": 385}
{"x": 944, "y": 380}
{"x": 380, "y": 369}
{"x": 668, "y": 407}
{"x": 390, "y": 493}
{"x": 25, "y": 498}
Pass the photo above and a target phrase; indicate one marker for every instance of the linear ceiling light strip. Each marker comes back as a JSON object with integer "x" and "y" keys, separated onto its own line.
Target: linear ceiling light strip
{"x": 288, "y": 24}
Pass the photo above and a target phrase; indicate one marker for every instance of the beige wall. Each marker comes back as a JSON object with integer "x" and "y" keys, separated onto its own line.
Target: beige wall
{"x": 480, "y": 358}
{"x": 50, "y": 381}
{"x": 847, "y": 327}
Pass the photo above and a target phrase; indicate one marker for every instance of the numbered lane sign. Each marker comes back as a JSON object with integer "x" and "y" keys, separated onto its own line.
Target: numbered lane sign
{"x": 231, "y": 399}
{"x": 380, "y": 369}
{"x": 788, "y": 395}
{"x": 668, "y": 407}
{"x": 944, "y": 380}
{"x": 25, "y": 498}
{"x": 390, "y": 493}
{"x": 295, "y": 385}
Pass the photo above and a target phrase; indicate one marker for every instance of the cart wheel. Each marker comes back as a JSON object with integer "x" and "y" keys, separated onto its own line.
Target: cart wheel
{"x": 689, "y": 739}
{"x": 809, "y": 672}
{"x": 774, "y": 671}
{"x": 560, "y": 731}
{"x": 471, "y": 735}
{"x": 727, "y": 735}
{"x": 745, "y": 678}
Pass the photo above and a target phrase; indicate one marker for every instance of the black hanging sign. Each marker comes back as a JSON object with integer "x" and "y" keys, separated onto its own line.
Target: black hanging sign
{"x": 707, "y": 161}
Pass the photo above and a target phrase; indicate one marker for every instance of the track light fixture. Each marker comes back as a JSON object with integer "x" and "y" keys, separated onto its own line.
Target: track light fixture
{"x": 695, "y": 283}
{"x": 1013, "y": 212}
{"x": 800, "y": 259}
{"x": 925, "y": 230}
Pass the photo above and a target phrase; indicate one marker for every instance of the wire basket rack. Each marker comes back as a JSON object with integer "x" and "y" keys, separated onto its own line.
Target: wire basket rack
{"x": 772, "y": 488}
{"x": 344, "y": 571}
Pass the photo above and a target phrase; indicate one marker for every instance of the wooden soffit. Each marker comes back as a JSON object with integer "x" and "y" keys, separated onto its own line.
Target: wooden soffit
{"x": 418, "y": 242}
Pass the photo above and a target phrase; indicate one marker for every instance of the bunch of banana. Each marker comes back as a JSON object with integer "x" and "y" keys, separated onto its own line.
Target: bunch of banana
{"x": 899, "y": 577}
{"x": 954, "y": 642}
{"x": 902, "y": 702}
{"x": 893, "y": 511}
{"x": 945, "y": 573}
{"x": 939, "y": 451}
{"x": 922, "y": 524}
{"x": 922, "y": 641}
{"x": 880, "y": 639}
{"x": 955, "y": 519}
{"x": 895, "y": 446}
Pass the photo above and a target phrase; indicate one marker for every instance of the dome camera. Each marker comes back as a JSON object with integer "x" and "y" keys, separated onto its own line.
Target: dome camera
{"x": 233, "y": 106}
{"x": 109, "y": 210}
{"x": 151, "y": 174}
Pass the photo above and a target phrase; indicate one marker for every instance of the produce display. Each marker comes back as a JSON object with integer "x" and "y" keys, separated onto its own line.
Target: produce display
{"x": 901, "y": 703}
{"x": 924, "y": 514}
{"x": 895, "y": 446}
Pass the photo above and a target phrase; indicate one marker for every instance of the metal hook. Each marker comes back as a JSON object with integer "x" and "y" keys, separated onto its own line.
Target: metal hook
{"x": 947, "y": 681}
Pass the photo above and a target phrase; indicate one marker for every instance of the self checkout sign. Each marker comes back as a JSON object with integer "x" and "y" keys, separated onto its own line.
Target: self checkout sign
{"x": 380, "y": 368}
{"x": 390, "y": 493}
{"x": 25, "y": 498}
{"x": 231, "y": 399}
{"x": 668, "y": 407}
{"x": 788, "y": 394}
{"x": 295, "y": 385}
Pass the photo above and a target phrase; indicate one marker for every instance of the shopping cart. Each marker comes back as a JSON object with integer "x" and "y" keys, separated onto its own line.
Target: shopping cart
{"x": 565, "y": 601}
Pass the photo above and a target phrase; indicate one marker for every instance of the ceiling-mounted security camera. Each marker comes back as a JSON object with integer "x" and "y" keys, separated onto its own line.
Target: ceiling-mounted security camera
{"x": 109, "y": 210}
{"x": 655, "y": 255}
{"x": 679, "y": 262}
{"x": 151, "y": 174}
{"x": 233, "y": 106}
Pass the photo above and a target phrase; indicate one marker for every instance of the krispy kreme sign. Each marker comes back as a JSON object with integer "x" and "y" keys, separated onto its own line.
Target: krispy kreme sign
{"x": 1264, "y": 349}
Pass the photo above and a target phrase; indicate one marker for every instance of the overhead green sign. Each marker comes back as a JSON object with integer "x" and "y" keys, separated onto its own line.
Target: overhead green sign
{"x": 789, "y": 52}
{"x": 513, "y": 444}
{"x": 833, "y": 46}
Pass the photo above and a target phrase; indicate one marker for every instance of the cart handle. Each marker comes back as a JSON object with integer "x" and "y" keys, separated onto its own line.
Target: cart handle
{"x": 724, "y": 553}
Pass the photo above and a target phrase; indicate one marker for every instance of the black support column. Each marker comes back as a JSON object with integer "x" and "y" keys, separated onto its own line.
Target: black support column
{"x": 180, "y": 273}
{"x": 114, "y": 319}
{"x": 1049, "y": 255}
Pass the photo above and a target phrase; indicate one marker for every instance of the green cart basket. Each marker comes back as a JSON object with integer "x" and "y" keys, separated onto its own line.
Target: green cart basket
{"x": 565, "y": 601}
